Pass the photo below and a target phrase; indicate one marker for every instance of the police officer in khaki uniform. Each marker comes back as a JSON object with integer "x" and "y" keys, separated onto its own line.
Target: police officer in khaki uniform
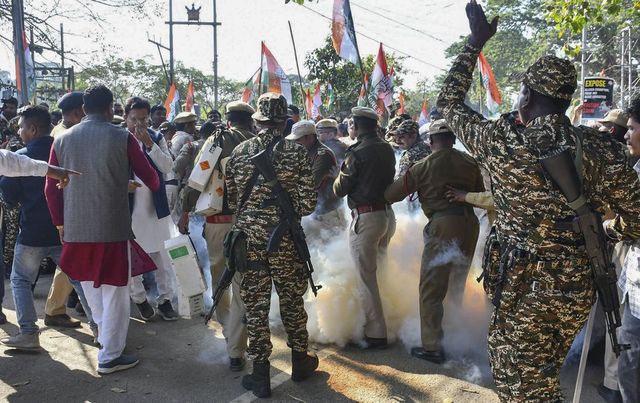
{"x": 452, "y": 231}
{"x": 185, "y": 132}
{"x": 230, "y": 311}
{"x": 325, "y": 171}
{"x": 366, "y": 172}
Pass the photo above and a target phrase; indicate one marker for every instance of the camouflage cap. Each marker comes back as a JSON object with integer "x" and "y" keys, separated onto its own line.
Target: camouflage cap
{"x": 552, "y": 76}
{"x": 271, "y": 107}
{"x": 407, "y": 127}
{"x": 394, "y": 123}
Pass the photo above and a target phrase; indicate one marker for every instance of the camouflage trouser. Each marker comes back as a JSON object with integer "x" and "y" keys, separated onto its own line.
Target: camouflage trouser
{"x": 11, "y": 224}
{"x": 544, "y": 305}
{"x": 255, "y": 291}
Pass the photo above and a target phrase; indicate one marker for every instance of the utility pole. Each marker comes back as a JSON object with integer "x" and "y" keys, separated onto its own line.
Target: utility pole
{"x": 62, "y": 55}
{"x": 193, "y": 18}
{"x": 583, "y": 63}
{"x": 626, "y": 67}
{"x": 215, "y": 56}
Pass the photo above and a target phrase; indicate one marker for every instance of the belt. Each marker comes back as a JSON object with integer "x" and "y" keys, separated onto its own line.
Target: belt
{"x": 452, "y": 211}
{"x": 220, "y": 219}
{"x": 368, "y": 208}
{"x": 172, "y": 182}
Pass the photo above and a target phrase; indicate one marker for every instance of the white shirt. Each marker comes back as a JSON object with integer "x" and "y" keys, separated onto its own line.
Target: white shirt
{"x": 629, "y": 281}
{"x": 12, "y": 164}
{"x": 150, "y": 231}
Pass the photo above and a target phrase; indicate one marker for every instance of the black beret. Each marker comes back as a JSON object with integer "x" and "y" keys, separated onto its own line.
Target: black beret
{"x": 70, "y": 101}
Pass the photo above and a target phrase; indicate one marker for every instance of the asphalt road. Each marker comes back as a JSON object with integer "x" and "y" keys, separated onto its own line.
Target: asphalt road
{"x": 184, "y": 361}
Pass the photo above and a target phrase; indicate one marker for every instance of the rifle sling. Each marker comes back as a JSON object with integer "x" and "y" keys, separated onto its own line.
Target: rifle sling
{"x": 254, "y": 176}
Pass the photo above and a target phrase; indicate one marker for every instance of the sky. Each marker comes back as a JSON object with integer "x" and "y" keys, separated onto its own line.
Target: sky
{"x": 422, "y": 29}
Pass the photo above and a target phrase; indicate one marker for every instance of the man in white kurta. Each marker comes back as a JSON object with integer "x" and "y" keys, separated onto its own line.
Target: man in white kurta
{"x": 150, "y": 218}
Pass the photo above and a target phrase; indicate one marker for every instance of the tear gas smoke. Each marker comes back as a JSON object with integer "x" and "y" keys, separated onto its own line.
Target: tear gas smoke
{"x": 336, "y": 315}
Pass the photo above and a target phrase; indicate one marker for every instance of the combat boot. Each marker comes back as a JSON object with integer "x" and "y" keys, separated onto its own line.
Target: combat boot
{"x": 259, "y": 382}
{"x": 303, "y": 364}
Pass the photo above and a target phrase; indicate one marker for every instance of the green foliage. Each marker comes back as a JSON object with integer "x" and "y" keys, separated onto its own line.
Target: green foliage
{"x": 327, "y": 67}
{"x": 127, "y": 77}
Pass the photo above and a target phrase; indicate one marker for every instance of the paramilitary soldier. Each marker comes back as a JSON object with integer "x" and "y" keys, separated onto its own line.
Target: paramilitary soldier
{"x": 409, "y": 141}
{"x": 366, "y": 172}
{"x": 230, "y": 311}
{"x": 547, "y": 288}
{"x": 252, "y": 199}
{"x": 451, "y": 225}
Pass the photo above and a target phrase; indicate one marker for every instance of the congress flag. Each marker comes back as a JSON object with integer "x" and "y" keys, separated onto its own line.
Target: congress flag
{"x": 362, "y": 98}
{"x": 494, "y": 98}
{"x": 331, "y": 97}
{"x": 402, "y": 109}
{"x": 316, "y": 102}
{"x": 172, "y": 103}
{"x": 343, "y": 33}
{"x": 250, "y": 87}
{"x": 424, "y": 113}
{"x": 188, "y": 106}
{"x": 381, "y": 83}
{"x": 274, "y": 78}
{"x": 308, "y": 103}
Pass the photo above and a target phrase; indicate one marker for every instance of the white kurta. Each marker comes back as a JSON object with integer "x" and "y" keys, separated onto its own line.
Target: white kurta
{"x": 150, "y": 231}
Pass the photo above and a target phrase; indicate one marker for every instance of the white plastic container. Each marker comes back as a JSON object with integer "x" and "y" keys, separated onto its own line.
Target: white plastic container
{"x": 185, "y": 264}
{"x": 211, "y": 199}
{"x": 204, "y": 167}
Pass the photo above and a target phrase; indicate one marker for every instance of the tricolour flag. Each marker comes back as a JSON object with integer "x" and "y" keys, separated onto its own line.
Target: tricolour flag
{"x": 331, "y": 97}
{"x": 494, "y": 99}
{"x": 250, "y": 87}
{"x": 381, "y": 83}
{"x": 362, "y": 98}
{"x": 172, "y": 103}
{"x": 308, "y": 102}
{"x": 401, "y": 111}
{"x": 343, "y": 33}
{"x": 188, "y": 105}
{"x": 274, "y": 78}
{"x": 316, "y": 102}
{"x": 424, "y": 113}
{"x": 29, "y": 70}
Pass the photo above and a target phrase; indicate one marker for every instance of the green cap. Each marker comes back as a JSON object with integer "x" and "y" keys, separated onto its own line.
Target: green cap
{"x": 271, "y": 107}
{"x": 407, "y": 127}
{"x": 552, "y": 76}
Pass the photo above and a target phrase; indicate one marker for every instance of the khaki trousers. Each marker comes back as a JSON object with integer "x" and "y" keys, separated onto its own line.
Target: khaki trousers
{"x": 369, "y": 236}
{"x": 58, "y": 293}
{"x": 231, "y": 310}
{"x": 449, "y": 244}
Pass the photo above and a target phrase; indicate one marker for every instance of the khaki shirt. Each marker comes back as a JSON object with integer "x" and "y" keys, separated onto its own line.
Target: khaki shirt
{"x": 430, "y": 178}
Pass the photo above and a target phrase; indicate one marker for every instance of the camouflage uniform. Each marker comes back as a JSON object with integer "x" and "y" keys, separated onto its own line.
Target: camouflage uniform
{"x": 416, "y": 152}
{"x": 548, "y": 292}
{"x": 283, "y": 267}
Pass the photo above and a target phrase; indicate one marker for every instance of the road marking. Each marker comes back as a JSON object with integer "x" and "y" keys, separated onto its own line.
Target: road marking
{"x": 280, "y": 378}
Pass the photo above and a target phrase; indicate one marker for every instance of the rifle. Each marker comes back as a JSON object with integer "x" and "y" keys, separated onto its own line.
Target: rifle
{"x": 223, "y": 284}
{"x": 290, "y": 222}
{"x": 562, "y": 170}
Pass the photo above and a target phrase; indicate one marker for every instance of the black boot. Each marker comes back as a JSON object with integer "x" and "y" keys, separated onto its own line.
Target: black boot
{"x": 259, "y": 382}
{"x": 303, "y": 364}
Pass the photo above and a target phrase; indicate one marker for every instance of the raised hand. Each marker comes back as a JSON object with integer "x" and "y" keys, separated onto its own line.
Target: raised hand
{"x": 481, "y": 29}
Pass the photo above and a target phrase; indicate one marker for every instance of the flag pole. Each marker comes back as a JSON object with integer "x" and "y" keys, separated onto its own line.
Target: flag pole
{"x": 295, "y": 54}
{"x": 261, "y": 64}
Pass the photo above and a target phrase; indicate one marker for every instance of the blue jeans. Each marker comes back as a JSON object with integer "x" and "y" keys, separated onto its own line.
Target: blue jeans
{"x": 629, "y": 360}
{"x": 26, "y": 263}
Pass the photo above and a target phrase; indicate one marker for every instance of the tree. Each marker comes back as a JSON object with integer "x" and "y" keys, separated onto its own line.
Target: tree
{"x": 40, "y": 14}
{"x": 128, "y": 77}
{"x": 346, "y": 78}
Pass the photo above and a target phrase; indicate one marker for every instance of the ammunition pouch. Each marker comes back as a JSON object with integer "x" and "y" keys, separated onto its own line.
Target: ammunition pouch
{"x": 235, "y": 250}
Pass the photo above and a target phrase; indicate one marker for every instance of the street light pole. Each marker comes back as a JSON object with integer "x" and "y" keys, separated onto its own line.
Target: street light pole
{"x": 170, "y": 42}
{"x": 215, "y": 55}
